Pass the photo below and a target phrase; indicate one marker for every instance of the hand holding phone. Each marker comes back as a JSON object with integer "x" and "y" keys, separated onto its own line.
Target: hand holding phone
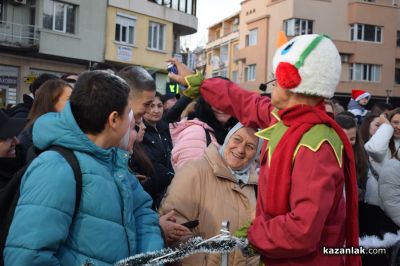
{"x": 171, "y": 68}
{"x": 191, "y": 224}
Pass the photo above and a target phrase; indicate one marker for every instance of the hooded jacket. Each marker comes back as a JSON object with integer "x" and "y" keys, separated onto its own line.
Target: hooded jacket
{"x": 22, "y": 110}
{"x": 189, "y": 141}
{"x": 389, "y": 189}
{"x": 356, "y": 108}
{"x": 377, "y": 148}
{"x": 114, "y": 219}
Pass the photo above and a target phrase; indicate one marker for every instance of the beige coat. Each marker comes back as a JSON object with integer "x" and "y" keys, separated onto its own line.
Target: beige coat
{"x": 205, "y": 190}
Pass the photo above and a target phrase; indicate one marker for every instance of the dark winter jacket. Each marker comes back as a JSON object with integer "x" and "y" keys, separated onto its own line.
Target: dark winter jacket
{"x": 158, "y": 145}
{"x": 21, "y": 110}
{"x": 25, "y": 139}
{"x": 9, "y": 166}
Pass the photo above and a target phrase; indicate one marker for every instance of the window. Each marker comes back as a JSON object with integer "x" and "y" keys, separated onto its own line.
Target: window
{"x": 296, "y": 26}
{"x": 364, "y": 32}
{"x": 398, "y": 38}
{"x": 125, "y": 29}
{"x": 223, "y": 73}
{"x": 251, "y": 38}
{"x": 59, "y": 16}
{"x": 156, "y": 38}
{"x": 234, "y": 76}
{"x": 218, "y": 34}
{"x": 250, "y": 73}
{"x": 365, "y": 72}
{"x": 235, "y": 26}
{"x": 397, "y": 76}
{"x": 224, "y": 55}
{"x": 209, "y": 59}
{"x": 2, "y": 10}
{"x": 187, "y": 6}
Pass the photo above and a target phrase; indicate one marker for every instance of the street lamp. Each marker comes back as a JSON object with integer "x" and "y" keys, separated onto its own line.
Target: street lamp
{"x": 388, "y": 92}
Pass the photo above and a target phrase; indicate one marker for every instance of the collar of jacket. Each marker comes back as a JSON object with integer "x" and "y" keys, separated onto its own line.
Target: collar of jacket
{"x": 313, "y": 139}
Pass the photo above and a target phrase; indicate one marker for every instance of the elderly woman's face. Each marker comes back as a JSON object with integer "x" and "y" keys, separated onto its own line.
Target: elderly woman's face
{"x": 241, "y": 148}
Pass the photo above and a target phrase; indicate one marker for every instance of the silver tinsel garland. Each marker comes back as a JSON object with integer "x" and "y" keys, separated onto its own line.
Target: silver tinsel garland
{"x": 217, "y": 244}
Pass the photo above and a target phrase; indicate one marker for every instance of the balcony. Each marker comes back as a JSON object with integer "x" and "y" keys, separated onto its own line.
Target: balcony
{"x": 18, "y": 36}
{"x": 393, "y": 3}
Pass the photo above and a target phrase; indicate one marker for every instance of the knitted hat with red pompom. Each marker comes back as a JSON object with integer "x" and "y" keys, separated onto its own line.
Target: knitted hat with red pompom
{"x": 357, "y": 95}
{"x": 308, "y": 64}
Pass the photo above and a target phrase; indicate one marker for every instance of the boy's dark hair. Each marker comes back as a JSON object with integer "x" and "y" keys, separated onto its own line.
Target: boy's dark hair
{"x": 35, "y": 85}
{"x": 96, "y": 95}
{"x": 138, "y": 79}
{"x": 346, "y": 121}
{"x": 348, "y": 113}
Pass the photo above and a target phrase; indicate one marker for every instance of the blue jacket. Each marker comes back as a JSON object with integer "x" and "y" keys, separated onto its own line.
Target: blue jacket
{"x": 114, "y": 220}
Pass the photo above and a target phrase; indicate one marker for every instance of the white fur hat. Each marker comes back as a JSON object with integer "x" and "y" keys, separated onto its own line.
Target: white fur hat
{"x": 308, "y": 64}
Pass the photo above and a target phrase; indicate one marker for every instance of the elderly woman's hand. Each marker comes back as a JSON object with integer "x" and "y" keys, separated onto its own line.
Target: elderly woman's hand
{"x": 172, "y": 231}
{"x": 183, "y": 71}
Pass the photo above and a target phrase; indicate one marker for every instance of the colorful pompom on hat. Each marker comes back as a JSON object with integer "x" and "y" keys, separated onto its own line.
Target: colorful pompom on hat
{"x": 308, "y": 64}
{"x": 357, "y": 95}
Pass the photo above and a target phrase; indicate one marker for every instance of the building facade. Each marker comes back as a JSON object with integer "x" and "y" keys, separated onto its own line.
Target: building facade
{"x": 221, "y": 49}
{"x": 366, "y": 33}
{"x": 38, "y": 36}
{"x": 147, "y": 33}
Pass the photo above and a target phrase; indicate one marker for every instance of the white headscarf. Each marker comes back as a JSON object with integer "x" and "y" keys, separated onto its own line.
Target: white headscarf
{"x": 242, "y": 174}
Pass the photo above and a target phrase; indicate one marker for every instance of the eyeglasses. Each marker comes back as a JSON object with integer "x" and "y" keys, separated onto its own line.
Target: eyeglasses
{"x": 264, "y": 86}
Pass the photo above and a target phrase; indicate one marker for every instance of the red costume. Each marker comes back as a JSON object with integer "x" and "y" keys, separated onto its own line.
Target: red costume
{"x": 301, "y": 206}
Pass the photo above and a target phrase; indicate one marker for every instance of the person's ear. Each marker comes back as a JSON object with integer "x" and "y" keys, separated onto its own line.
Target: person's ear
{"x": 112, "y": 119}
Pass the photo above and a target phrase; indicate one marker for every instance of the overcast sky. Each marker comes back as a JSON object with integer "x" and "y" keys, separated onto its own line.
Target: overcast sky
{"x": 209, "y": 12}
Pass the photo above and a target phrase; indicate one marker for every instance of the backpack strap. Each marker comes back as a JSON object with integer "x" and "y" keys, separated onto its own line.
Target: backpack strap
{"x": 73, "y": 162}
{"x": 208, "y": 137}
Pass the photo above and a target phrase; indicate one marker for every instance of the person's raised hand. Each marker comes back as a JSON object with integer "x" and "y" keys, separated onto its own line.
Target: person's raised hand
{"x": 183, "y": 71}
{"x": 383, "y": 119}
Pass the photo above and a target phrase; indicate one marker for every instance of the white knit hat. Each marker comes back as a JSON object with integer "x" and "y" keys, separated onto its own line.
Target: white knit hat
{"x": 308, "y": 64}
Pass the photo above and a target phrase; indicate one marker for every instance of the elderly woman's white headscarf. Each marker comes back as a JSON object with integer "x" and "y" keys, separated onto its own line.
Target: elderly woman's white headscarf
{"x": 241, "y": 174}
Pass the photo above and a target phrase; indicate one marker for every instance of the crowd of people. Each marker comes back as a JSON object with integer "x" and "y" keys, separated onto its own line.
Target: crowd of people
{"x": 295, "y": 171}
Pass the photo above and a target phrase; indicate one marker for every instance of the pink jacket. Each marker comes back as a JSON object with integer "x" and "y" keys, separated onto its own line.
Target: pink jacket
{"x": 189, "y": 141}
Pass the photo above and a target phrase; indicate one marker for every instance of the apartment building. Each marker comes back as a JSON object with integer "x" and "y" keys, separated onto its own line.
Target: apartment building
{"x": 38, "y": 36}
{"x": 221, "y": 49}
{"x": 146, "y": 33}
{"x": 366, "y": 33}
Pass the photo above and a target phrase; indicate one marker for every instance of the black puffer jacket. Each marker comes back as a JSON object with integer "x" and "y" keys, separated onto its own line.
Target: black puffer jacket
{"x": 9, "y": 166}
{"x": 21, "y": 110}
{"x": 158, "y": 145}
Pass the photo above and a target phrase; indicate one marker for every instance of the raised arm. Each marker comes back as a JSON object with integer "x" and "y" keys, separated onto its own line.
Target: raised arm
{"x": 250, "y": 108}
